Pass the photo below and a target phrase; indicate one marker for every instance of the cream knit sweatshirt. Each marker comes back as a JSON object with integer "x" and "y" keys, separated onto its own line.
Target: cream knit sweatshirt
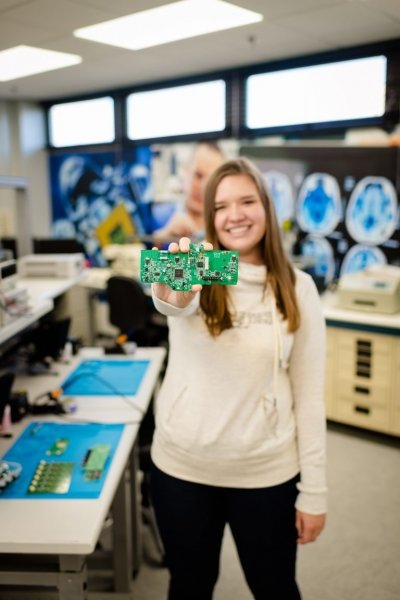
{"x": 246, "y": 409}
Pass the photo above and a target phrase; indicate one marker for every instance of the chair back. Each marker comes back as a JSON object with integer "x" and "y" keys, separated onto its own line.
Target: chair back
{"x": 128, "y": 304}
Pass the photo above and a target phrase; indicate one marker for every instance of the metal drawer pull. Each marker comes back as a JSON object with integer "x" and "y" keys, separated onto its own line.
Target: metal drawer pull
{"x": 364, "y": 363}
{"x": 362, "y": 409}
{"x": 367, "y": 343}
{"x": 365, "y": 374}
{"x": 362, "y": 352}
{"x": 361, "y": 390}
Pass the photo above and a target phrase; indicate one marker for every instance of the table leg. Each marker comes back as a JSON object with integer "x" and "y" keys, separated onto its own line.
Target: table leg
{"x": 136, "y": 519}
{"x": 122, "y": 542}
{"x": 72, "y": 579}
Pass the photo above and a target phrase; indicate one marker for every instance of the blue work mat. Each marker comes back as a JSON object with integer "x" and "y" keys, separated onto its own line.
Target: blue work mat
{"x": 37, "y": 440}
{"x": 106, "y": 378}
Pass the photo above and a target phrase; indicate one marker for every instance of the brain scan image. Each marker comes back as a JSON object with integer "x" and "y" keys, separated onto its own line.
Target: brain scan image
{"x": 319, "y": 208}
{"x": 281, "y": 191}
{"x": 360, "y": 257}
{"x": 372, "y": 209}
{"x": 320, "y": 250}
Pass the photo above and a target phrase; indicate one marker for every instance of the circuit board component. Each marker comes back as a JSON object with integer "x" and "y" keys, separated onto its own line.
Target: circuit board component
{"x": 182, "y": 270}
{"x": 51, "y": 477}
{"x": 58, "y": 447}
{"x": 95, "y": 460}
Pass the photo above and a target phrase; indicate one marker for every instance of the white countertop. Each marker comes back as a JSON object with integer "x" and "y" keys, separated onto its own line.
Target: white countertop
{"x": 71, "y": 526}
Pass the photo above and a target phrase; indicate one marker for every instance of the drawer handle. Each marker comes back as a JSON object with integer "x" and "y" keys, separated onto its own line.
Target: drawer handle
{"x": 362, "y": 409}
{"x": 365, "y": 374}
{"x": 365, "y": 352}
{"x": 361, "y": 390}
{"x": 364, "y": 363}
{"x": 361, "y": 342}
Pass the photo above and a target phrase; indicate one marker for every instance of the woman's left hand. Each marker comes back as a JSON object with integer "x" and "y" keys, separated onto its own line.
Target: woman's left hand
{"x": 308, "y": 526}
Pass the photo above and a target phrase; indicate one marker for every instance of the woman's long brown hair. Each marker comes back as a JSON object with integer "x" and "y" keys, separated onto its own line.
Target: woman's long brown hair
{"x": 214, "y": 299}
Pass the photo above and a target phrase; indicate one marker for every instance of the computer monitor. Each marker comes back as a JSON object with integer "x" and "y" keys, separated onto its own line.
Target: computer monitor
{"x": 10, "y": 244}
{"x": 57, "y": 246}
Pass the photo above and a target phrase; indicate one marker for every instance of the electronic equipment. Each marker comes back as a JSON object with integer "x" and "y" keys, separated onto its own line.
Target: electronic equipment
{"x": 376, "y": 289}
{"x": 8, "y": 274}
{"x": 14, "y": 304}
{"x": 9, "y": 472}
{"x": 124, "y": 258}
{"x": 51, "y": 265}
{"x": 57, "y": 246}
{"x": 182, "y": 270}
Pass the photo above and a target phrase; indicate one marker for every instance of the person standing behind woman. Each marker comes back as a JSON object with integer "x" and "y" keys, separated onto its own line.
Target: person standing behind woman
{"x": 206, "y": 158}
{"x": 240, "y": 421}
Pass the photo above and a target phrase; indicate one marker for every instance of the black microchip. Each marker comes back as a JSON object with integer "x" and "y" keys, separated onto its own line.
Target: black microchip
{"x": 177, "y": 259}
{"x": 200, "y": 264}
{"x": 179, "y": 273}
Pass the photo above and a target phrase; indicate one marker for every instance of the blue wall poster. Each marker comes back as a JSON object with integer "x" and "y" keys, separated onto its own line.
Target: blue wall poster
{"x": 86, "y": 186}
{"x": 346, "y": 200}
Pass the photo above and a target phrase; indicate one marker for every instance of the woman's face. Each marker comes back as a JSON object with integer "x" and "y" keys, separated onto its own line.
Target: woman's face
{"x": 240, "y": 218}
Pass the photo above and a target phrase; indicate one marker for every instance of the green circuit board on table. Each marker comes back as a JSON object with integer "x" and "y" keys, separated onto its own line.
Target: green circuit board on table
{"x": 182, "y": 270}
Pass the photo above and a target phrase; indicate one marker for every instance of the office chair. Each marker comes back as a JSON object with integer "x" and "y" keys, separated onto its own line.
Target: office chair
{"x": 132, "y": 312}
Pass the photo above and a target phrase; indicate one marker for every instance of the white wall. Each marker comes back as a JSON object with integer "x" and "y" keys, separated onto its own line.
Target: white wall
{"x": 23, "y": 154}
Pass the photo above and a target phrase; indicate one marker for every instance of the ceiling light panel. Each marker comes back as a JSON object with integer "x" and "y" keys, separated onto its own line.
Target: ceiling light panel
{"x": 169, "y": 23}
{"x": 23, "y": 61}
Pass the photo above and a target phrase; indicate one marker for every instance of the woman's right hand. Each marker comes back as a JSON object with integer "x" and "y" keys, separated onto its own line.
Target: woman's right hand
{"x": 165, "y": 293}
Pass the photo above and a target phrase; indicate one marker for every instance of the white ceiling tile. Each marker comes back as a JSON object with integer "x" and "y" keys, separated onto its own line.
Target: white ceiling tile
{"x": 13, "y": 34}
{"x": 60, "y": 15}
{"x": 290, "y": 28}
{"x": 391, "y": 8}
{"x": 350, "y": 24}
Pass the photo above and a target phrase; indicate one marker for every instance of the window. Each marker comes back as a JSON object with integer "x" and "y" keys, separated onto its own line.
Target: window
{"x": 181, "y": 110}
{"x": 82, "y": 123}
{"x": 339, "y": 91}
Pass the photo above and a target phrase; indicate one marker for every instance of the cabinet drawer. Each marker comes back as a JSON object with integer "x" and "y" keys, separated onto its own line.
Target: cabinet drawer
{"x": 365, "y": 392}
{"x": 364, "y": 342}
{"x": 363, "y": 414}
{"x": 376, "y": 369}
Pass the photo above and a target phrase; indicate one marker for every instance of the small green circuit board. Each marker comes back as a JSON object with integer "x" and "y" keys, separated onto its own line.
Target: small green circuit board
{"x": 95, "y": 460}
{"x": 58, "y": 447}
{"x": 51, "y": 478}
{"x": 182, "y": 270}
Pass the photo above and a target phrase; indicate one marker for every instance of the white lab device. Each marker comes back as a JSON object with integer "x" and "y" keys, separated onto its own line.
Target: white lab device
{"x": 51, "y": 265}
{"x": 376, "y": 289}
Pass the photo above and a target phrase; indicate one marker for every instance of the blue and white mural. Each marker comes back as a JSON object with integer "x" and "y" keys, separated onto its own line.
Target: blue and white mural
{"x": 360, "y": 257}
{"x": 347, "y": 212}
{"x": 282, "y": 194}
{"x": 86, "y": 187}
{"x": 321, "y": 251}
{"x": 372, "y": 210}
{"x": 319, "y": 208}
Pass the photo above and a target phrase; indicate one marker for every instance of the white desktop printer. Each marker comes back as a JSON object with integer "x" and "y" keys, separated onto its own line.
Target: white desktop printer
{"x": 376, "y": 289}
{"x": 51, "y": 265}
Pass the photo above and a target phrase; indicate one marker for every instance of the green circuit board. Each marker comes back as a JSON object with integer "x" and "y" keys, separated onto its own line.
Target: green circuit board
{"x": 182, "y": 270}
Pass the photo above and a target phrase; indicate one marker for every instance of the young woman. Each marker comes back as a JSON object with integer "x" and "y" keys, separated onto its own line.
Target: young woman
{"x": 240, "y": 423}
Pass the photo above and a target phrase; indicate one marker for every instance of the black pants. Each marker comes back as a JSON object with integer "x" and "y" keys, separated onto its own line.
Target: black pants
{"x": 192, "y": 518}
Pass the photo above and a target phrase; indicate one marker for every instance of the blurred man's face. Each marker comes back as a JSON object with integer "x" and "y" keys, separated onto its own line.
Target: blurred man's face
{"x": 205, "y": 161}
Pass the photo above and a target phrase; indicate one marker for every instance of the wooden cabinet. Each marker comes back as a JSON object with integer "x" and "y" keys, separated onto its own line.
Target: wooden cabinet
{"x": 363, "y": 379}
